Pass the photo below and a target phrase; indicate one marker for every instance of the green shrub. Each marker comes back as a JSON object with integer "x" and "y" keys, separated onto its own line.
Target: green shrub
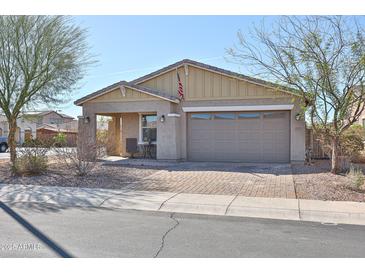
{"x": 60, "y": 140}
{"x": 352, "y": 141}
{"x": 31, "y": 161}
{"x": 357, "y": 177}
{"x": 38, "y": 143}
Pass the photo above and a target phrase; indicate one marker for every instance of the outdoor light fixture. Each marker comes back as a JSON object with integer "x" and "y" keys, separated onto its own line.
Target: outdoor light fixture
{"x": 86, "y": 120}
{"x": 162, "y": 118}
{"x": 298, "y": 116}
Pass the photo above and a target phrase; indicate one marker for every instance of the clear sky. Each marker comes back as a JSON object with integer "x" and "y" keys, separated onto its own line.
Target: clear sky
{"x": 128, "y": 47}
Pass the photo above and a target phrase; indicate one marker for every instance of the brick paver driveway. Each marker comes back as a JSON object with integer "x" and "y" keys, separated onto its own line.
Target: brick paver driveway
{"x": 274, "y": 180}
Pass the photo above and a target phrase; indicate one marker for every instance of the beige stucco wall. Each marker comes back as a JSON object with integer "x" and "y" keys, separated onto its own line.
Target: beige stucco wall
{"x": 130, "y": 129}
{"x": 114, "y": 145}
{"x": 361, "y": 120}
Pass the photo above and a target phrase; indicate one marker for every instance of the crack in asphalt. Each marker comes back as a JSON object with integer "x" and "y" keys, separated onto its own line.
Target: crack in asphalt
{"x": 299, "y": 212}
{"x": 296, "y": 196}
{"x": 235, "y": 197}
{"x": 106, "y": 199}
{"x": 164, "y": 202}
{"x": 165, "y": 235}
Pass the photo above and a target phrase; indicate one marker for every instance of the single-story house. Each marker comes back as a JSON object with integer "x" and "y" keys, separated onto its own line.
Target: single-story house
{"x": 223, "y": 115}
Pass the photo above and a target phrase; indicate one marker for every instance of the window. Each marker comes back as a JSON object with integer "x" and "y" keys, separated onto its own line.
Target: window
{"x": 273, "y": 115}
{"x": 252, "y": 115}
{"x": 56, "y": 121}
{"x": 201, "y": 116}
{"x": 224, "y": 116}
{"x": 149, "y": 130}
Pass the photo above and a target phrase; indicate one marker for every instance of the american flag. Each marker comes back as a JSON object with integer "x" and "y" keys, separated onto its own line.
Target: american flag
{"x": 180, "y": 89}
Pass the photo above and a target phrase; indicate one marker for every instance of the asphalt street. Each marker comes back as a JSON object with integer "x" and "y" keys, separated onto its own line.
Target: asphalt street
{"x": 41, "y": 230}
{"x": 4, "y": 156}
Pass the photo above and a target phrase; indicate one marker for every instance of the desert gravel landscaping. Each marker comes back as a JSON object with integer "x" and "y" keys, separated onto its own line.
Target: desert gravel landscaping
{"x": 281, "y": 181}
{"x": 114, "y": 177}
{"x": 316, "y": 183}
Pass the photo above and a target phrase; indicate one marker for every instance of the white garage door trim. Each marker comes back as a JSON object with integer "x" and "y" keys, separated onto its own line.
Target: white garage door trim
{"x": 211, "y": 147}
{"x": 238, "y": 108}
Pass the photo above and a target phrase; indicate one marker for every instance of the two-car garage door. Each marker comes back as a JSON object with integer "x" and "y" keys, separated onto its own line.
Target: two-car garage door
{"x": 239, "y": 136}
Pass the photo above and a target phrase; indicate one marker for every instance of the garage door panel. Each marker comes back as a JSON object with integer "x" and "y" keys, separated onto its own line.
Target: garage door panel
{"x": 222, "y": 135}
{"x": 202, "y": 126}
{"x": 201, "y": 146}
{"x": 248, "y": 135}
{"x": 252, "y": 124}
{"x": 248, "y": 145}
{"x": 264, "y": 138}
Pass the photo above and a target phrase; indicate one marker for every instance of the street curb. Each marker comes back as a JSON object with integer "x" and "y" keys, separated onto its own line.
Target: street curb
{"x": 344, "y": 212}
{"x": 221, "y": 205}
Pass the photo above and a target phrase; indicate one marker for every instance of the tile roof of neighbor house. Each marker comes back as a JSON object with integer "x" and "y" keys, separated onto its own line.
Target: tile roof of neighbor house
{"x": 44, "y": 112}
{"x": 179, "y": 64}
{"x": 56, "y": 129}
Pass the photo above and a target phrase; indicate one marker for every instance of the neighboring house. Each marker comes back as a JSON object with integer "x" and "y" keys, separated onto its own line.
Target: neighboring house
{"x": 361, "y": 120}
{"x": 224, "y": 116}
{"x": 50, "y": 117}
{"x": 42, "y": 124}
{"x": 50, "y": 123}
{"x": 48, "y": 132}
{"x": 26, "y": 129}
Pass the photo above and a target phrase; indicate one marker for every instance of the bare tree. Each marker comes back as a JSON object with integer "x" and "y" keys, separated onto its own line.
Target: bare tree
{"x": 41, "y": 60}
{"x": 320, "y": 57}
{"x": 81, "y": 159}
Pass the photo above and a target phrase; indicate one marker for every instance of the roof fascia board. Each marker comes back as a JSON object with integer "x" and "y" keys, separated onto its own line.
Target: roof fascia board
{"x": 152, "y": 94}
{"x": 95, "y": 96}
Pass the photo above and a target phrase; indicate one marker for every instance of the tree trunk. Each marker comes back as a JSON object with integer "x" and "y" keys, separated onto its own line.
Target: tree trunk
{"x": 11, "y": 139}
{"x": 334, "y": 158}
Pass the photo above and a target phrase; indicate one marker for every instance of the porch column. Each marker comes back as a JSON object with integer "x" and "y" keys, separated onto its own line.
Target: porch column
{"x": 86, "y": 140}
{"x": 114, "y": 140}
{"x": 168, "y": 137}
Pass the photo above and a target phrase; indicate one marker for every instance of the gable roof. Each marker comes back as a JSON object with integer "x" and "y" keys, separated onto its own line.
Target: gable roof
{"x": 146, "y": 90}
{"x": 134, "y": 84}
{"x": 193, "y": 63}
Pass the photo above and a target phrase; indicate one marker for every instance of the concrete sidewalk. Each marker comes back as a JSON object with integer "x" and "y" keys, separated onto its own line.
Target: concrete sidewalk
{"x": 227, "y": 205}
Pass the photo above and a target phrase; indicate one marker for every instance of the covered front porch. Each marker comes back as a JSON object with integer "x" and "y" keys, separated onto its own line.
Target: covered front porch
{"x": 134, "y": 127}
{"x": 131, "y": 134}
